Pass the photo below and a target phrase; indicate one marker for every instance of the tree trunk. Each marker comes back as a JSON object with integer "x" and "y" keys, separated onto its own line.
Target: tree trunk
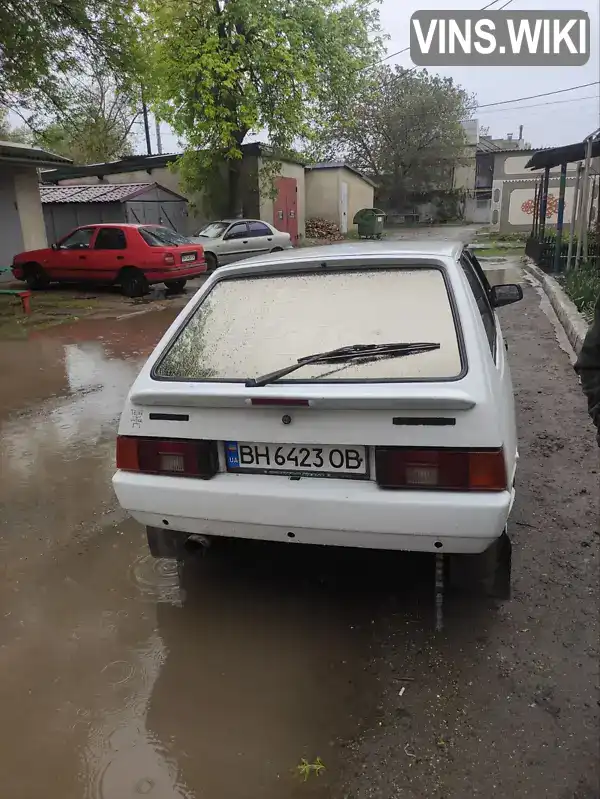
{"x": 234, "y": 200}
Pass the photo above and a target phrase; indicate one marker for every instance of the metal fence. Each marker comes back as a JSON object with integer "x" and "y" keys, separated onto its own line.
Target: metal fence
{"x": 542, "y": 250}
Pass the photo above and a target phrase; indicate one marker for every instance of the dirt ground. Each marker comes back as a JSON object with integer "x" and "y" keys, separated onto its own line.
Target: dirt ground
{"x": 116, "y": 682}
{"x": 65, "y": 304}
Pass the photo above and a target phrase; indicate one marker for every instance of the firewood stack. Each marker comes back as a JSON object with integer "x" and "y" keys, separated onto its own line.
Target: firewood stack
{"x": 318, "y": 228}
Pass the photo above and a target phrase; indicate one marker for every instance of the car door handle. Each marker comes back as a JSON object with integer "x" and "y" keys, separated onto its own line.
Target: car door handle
{"x": 269, "y": 238}
{"x": 245, "y": 241}
{"x": 120, "y": 257}
{"x": 82, "y": 257}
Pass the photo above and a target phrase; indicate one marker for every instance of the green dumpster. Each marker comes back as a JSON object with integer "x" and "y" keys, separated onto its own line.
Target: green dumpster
{"x": 370, "y": 222}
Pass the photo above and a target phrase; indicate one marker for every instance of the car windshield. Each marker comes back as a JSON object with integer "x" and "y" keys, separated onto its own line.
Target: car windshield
{"x": 213, "y": 231}
{"x": 162, "y": 237}
{"x": 248, "y": 327}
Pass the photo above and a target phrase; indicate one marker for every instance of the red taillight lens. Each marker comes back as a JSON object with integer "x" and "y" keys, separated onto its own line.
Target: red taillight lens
{"x": 169, "y": 258}
{"x": 167, "y": 456}
{"x": 281, "y": 401}
{"x": 441, "y": 469}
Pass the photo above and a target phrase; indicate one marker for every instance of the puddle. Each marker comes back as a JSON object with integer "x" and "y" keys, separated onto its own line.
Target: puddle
{"x": 122, "y": 683}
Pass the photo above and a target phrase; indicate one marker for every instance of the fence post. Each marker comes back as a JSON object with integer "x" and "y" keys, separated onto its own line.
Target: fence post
{"x": 574, "y": 215}
{"x": 560, "y": 217}
{"x": 536, "y": 198}
{"x": 590, "y": 218}
{"x": 585, "y": 191}
{"x": 544, "y": 203}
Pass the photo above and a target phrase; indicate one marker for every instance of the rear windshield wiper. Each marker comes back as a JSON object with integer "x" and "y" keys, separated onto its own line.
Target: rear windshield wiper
{"x": 353, "y": 352}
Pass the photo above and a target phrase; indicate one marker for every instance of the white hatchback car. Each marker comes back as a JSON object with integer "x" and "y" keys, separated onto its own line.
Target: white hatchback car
{"x": 231, "y": 240}
{"x": 350, "y": 395}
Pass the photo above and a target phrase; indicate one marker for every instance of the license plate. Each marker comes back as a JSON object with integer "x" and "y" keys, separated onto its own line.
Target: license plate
{"x": 306, "y": 459}
{"x": 188, "y": 256}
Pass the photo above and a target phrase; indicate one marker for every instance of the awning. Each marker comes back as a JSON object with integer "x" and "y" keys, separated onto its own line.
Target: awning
{"x": 555, "y": 156}
{"x": 20, "y": 154}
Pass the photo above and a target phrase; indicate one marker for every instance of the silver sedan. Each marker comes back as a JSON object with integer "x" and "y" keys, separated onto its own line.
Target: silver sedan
{"x": 230, "y": 240}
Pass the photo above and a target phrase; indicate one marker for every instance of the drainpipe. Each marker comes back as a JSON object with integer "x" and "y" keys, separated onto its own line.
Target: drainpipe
{"x": 576, "y": 197}
{"x": 561, "y": 214}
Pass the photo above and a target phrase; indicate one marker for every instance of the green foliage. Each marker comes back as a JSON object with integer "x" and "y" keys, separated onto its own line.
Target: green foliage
{"x": 223, "y": 69}
{"x": 8, "y": 133}
{"x": 403, "y": 127}
{"x": 89, "y": 117}
{"x": 583, "y": 286}
{"x": 305, "y": 769}
{"x": 41, "y": 41}
{"x": 449, "y": 206}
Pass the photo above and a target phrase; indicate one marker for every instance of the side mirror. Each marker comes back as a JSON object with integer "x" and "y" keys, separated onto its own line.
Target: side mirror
{"x": 505, "y": 294}
{"x": 54, "y": 246}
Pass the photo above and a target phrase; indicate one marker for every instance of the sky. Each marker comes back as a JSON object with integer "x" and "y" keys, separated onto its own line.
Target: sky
{"x": 545, "y": 125}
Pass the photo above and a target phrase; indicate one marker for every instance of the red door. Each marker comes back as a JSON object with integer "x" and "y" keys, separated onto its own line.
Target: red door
{"x": 285, "y": 207}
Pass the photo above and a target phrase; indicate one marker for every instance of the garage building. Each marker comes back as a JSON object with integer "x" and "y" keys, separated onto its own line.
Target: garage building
{"x": 68, "y": 207}
{"x": 336, "y": 191}
{"x": 20, "y": 208}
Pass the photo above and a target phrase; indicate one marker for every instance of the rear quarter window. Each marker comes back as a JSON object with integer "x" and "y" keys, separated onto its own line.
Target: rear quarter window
{"x": 162, "y": 237}
{"x": 249, "y": 326}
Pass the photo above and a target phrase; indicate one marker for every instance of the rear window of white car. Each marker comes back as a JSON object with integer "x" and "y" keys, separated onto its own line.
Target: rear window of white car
{"x": 249, "y": 326}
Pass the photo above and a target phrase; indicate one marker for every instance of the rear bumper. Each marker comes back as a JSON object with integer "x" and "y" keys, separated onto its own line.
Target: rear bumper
{"x": 317, "y": 511}
{"x": 179, "y": 272}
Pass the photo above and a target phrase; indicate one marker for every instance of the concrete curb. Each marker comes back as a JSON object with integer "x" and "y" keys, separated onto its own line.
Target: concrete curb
{"x": 572, "y": 321}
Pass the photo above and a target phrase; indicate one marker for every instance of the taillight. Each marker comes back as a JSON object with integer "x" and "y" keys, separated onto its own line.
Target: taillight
{"x": 169, "y": 258}
{"x": 281, "y": 401}
{"x": 441, "y": 469}
{"x": 167, "y": 456}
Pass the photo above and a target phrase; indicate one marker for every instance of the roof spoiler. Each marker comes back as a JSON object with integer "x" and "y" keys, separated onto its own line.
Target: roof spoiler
{"x": 366, "y": 397}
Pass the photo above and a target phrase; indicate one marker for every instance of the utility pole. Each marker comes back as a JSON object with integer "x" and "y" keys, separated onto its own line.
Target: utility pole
{"x": 146, "y": 125}
{"x": 158, "y": 139}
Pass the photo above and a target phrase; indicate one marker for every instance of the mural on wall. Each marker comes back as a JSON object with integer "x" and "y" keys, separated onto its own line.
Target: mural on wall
{"x": 551, "y": 206}
{"x": 521, "y": 206}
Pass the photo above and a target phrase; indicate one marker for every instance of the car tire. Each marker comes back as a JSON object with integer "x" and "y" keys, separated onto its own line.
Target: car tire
{"x": 211, "y": 261}
{"x": 486, "y": 573}
{"x": 133, "y": 282}
{"x": 277, "y": 249}
{"x": 175, "y": 286}
{"x": 36, "y": 277}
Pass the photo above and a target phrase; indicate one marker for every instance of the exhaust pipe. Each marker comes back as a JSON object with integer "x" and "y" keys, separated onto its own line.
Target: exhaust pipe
{"x": 197, "y": 543}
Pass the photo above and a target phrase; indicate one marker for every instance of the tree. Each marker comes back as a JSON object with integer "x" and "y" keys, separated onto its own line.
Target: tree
{"x": 403, "y": 129}
{"x": 9, "y": 133}
{"x": 89, "y": 116}
{"x": 222, "y": 69}
{"x": 41, "y": 41}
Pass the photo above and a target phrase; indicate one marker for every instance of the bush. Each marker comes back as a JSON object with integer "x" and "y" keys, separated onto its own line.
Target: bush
{"x": 583, "y": 286}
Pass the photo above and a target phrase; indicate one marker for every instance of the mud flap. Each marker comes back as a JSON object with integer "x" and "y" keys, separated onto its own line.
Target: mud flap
{"x": 487, "y": 573}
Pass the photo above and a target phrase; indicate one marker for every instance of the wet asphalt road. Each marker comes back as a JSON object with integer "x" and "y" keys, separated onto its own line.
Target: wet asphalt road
{"x": 115, "y": 682}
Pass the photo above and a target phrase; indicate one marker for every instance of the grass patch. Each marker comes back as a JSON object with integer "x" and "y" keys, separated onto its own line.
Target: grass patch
{"x": 489, "y": 252}
{"x": 495, "y": 239}
{"x": 583, "y": 286}
{"x": 47, "y": 309}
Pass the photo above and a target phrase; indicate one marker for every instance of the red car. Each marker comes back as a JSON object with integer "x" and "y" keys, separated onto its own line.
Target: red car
{"x": 131, "y": 256}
